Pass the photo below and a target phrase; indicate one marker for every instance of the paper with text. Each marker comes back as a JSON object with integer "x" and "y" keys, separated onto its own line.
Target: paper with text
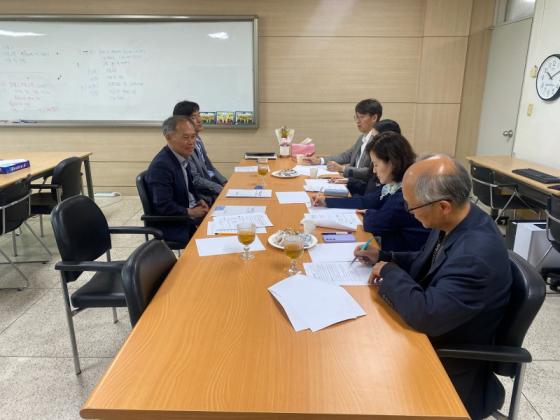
{"x": 233, "y": 210}
{"x": 249, "y": 193}
{"x": 340, "y": 273}
{"x": 333, "y": 252}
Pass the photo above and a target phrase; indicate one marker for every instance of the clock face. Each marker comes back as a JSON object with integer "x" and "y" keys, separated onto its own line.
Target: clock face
{"x": 548, "y": 78}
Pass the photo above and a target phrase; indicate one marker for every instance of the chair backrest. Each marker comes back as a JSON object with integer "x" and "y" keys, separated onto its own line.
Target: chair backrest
{"x": 481, "y": 177}
{"x": 68, "y": 174}
{"x": 527, "y": 296}
{"x": 80, "y": 229}
{"x": 14, "y": 205}
{"x": 143, "y": 193}
{"x": 553, "y": 224}
{"x": 144, "y": 271}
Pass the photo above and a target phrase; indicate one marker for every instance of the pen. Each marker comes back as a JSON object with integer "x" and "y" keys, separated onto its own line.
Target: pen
{"x": 363, "y": 248}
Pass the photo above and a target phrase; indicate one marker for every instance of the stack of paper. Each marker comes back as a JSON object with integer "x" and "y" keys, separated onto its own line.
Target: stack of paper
{"x": 245, "y": 169}
{"x": 336, "y": 190}
{"x": 224, "y": 245}
{"x": 339, "y": 273}
{"x": 228, "y": 224}
{"x": 321, "y": 170}
{"x": 233, "y": 210}
{"x": 315, "y": 185}
{"x": 314, "y": 304}
{"x": 249, "y": 193}
{"x": 337, "y": 220}
{"x": 293, "y": 197}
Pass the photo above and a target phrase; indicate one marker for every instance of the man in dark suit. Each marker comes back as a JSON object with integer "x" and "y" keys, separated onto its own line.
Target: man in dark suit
{"x": 456, "y": 288}
{"x": 169, "y": 181}
{"x": 206, "y": 177}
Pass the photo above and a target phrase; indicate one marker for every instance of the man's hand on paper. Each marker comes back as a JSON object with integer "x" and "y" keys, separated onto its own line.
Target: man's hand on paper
{"x": 311, "y": 160}
{"x": 376, "y": 272}
{"x": 335, "y": 167}
{"x": 369, "y": 256}
{"x": 199, "y": 210}
{"x": 338, "y": 180}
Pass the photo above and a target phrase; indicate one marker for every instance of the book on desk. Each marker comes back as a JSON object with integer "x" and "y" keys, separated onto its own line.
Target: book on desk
{"x": 11, "y": 165}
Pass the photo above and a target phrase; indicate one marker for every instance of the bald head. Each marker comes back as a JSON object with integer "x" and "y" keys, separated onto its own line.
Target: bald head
{"x": 438, "y": 177}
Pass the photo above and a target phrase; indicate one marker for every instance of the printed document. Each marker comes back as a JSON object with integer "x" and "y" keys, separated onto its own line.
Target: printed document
{"x": 233, "y": 210}
{"x": 339, "y": 273}
{"x": 249, "y": 193}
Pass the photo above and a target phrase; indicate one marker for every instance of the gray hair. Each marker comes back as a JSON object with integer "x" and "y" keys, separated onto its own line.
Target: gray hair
{"x": 170, "y": 124}
{"x": 454, "y": 186}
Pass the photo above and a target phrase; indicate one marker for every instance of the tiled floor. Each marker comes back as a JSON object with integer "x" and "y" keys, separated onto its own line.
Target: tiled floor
{"x": 37, "y": 379}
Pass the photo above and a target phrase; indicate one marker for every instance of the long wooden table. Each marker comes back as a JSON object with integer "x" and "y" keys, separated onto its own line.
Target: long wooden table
{"x": 214, "y": 344}
{"x": 43, "y": 163}
{"x": 503, "y": 166}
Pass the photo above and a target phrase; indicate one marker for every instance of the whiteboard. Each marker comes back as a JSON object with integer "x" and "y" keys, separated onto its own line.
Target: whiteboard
{"x": 126, "y": 71}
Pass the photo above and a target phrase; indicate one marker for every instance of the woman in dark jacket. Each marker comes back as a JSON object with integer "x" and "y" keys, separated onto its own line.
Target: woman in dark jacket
{"x": 386, "y": 215}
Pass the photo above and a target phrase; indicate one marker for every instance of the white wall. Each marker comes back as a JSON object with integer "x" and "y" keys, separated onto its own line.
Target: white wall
{"x": 538, "y": 136}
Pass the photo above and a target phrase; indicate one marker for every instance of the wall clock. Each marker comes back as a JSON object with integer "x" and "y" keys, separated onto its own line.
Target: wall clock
{"x": 548, "y": 78}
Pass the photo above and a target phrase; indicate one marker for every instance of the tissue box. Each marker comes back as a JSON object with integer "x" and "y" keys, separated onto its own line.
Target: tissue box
{"x": 303, "y": 149}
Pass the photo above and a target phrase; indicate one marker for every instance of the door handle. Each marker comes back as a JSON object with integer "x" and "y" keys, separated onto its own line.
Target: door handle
{"x": 508, "y": 134}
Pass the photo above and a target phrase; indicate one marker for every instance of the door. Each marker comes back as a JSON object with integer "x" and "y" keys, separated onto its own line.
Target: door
{"x": 502, "y": 90}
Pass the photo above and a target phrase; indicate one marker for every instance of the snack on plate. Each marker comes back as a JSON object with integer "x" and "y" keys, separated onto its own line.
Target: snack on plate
{"x": 281, "y": 235}
{"x": 287, "y": 172}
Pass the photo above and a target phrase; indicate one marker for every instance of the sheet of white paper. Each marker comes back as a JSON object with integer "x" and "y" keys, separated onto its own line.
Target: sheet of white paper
{"x": 333, "y": 252}
{"x": 327, "y": 210}
{"x": 224, "y": 245}
{"x": 249, "y": 193}
{"x": 297, "y": 322}
{"x": 317, "y": 303}
{"x": 321, "y": 170}
{"x": 293, "y": 197}
{"x": 245, "y": 169}
{"x": 335, "y": 188}
{"x": 340, "y": 273}
{"x": 231, "y": 222}
{"x": 342, "y": 221}
{"x": 212, "y": 230}
{"x": 233, "y": 210}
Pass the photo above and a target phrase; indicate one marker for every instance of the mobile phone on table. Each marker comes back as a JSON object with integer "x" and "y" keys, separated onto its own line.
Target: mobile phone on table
{"x": 338, "y": 237}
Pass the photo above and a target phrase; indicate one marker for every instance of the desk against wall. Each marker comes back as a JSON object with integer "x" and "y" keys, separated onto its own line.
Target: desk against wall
{"x": 503, "y": 165}
{"x": 214, "y": 344}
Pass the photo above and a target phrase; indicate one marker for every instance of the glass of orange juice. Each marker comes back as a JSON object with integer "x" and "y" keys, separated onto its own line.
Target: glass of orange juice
{"x": 246, "y": 235}
{"x": 262, "y": 169}
{"x": 293, "y": 248}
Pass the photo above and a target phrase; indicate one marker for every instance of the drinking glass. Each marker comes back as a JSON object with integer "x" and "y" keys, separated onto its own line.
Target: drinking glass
{"x": 246, "y": 235}
{"x": 262, "y": 169}
{"x": 293, "y": 247}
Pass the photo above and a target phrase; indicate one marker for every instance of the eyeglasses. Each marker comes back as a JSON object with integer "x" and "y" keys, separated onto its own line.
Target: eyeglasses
{"x": 410, "y": 210}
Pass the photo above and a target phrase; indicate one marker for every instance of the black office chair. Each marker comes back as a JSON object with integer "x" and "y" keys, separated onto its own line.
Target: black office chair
{"x": 493, "y": 194}
{"x": 152, "y": 220}
{"x": 14, "y": 211}
{"x": 553, "y": 236}
{"x": 82, "y": 235}
{"x": 144, "y": 272}
{"x": 506, "y": 354}
{"x": 66, "y": 182}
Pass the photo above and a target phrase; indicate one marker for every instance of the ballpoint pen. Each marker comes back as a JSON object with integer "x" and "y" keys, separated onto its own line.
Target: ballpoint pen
{"x": 363, "y": 248}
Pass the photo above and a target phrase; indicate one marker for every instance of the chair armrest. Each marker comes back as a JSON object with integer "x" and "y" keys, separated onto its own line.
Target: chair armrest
{"x": 178, "y": 218}
{"x": 487, "y": 353}
{"x": 45, "y": 186}
{"x": 90, "y": 266}
{"x": 156, "y": 233}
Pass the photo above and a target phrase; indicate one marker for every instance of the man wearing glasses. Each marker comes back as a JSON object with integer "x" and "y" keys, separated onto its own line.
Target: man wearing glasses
{"x": 354, "y": 162}
{"x": 456, "y": 287}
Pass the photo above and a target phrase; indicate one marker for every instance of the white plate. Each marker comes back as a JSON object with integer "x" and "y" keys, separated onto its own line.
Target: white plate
{"x": 271, "y": 238}
{"x": 279, "y": 174}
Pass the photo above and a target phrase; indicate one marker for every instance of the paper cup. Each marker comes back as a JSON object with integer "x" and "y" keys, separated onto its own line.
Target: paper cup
{"x": 308, "y": 226}
{"x": 313, "y": 172}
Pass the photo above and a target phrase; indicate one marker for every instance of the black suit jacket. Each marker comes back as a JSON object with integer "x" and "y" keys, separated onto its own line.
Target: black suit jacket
{"x": 459, "y": 300}
{"x": 168, "y": 194}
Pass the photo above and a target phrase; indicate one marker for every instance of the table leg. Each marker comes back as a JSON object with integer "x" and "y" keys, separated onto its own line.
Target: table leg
{"x": 89, "y": 182}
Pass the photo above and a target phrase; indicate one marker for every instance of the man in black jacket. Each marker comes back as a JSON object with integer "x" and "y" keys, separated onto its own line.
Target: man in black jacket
{"x": 455, "y": 289}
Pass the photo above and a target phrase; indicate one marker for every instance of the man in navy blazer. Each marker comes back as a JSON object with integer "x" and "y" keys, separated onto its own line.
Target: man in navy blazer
{"x": 456, "y": 287}
{"x": 169, "y": 181}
